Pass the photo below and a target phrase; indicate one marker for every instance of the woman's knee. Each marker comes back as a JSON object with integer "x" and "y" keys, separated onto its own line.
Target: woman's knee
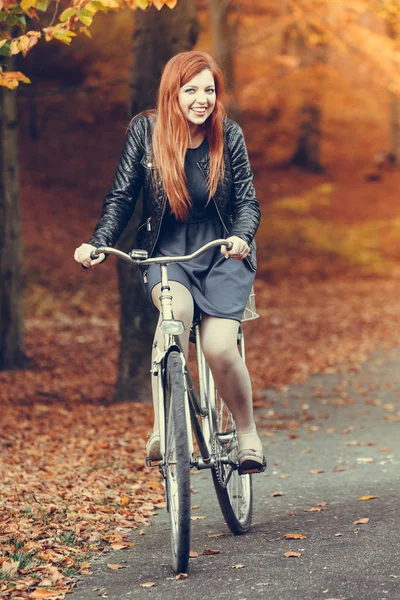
{"x": 220, "y": 355}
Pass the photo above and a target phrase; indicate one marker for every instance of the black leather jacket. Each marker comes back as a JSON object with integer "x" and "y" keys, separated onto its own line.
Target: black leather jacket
{"x": 234, "y": 199}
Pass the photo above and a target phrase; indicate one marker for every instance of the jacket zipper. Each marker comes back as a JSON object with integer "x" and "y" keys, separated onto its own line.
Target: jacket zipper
{"x": 158, "y": 235}
{"x": 147, "y": 223}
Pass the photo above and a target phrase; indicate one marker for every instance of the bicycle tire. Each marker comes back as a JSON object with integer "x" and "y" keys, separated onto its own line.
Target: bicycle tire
{"x": 177, "y": 463}
{"x": 234, "y": 491}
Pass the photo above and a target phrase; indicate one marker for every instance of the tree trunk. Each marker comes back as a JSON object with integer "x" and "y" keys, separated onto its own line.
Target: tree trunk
{"x": 158, "y": 36}
{"x": 307, "y": 154}
{"x": 224, "y": 32}
{"x": 394, "y": 106}
{"x": 395, "y": 128}
{"x": 12, "y": 353}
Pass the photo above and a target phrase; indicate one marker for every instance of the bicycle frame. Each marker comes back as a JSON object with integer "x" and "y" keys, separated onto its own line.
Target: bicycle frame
{"x": 171, "y": 329}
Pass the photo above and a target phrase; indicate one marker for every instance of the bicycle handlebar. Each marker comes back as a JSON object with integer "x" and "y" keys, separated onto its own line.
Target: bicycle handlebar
{"x": 139, "y": 257}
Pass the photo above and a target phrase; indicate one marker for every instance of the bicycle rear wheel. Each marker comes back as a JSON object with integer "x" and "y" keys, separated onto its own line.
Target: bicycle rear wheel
{"x": 177, "y": 463}
{"x": 234, "y": 491}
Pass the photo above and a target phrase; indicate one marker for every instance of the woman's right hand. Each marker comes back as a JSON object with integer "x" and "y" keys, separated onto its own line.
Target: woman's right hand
{"x": 82, "y": 256}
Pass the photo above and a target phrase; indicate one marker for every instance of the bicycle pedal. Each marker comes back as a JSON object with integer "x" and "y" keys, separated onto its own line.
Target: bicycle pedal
{"x": 152, "y": 463}
{"x": 253, "y": 470}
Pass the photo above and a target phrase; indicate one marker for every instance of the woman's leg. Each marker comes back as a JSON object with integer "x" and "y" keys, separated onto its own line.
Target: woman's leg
{"x": 183, "y": 311}
{"x": 218, "y": 339}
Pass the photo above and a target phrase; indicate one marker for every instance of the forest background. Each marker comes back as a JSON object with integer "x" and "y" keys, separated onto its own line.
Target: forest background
{"x": 319, "y": 109}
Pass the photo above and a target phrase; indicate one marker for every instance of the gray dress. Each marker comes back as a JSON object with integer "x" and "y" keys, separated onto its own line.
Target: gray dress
{"x": 219, "y": 287}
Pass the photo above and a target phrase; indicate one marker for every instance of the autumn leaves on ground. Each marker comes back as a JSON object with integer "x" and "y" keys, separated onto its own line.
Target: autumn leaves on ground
{"x": 73, "y": 480}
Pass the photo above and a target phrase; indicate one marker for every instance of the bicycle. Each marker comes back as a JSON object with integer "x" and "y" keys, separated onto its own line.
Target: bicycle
{"x": 184, "y": 411}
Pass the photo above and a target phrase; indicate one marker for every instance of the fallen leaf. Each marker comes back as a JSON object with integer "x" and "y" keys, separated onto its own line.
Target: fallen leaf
{"x": 284, "y": 475}
{"x": 274, "y": 494}
{"x": 210, "y": 552}
{"x": 193, "y": 554}
{"x": 148, "y": 584}
{"x": 317, "y": 471}
{"x": 384, "y": 449}
{"x": 181, "y": 576}
{"x": 114, "y": 566}
{"x": 197, "y": 518}
{"x": 321, "y": 504}
{"x": 118, "y": 546}
{"x": 292, "y": 554}
{"x": 195, "y": 507}
{"x": 306, "y": 451}
{"x": 238, "y": 566}
{"x": 295, "y": 536}
{"x": 367, "y": 498}
{"x": 141, "y": 532}
{"x": 362, "y": 459}
{"x": 337, "y": 469}
{"x": 330, "y": 430}
{"x": 314, "y": 509}
{"x": 124, "y": 500}
{"x": 43, "y": 593}
{"x": 361, "y": 521}
{"x": 215, "y": 535}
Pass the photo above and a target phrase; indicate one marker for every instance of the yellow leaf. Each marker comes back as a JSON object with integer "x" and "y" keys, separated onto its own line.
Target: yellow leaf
{"x": 86, "y": 20}
{"x": 11, "y": 79}
{"x": 181, "y": 576}
{"x": 215, "y": 535}
{"x": 314, "y": 509}
{"x": 143, "y": 4}
{"x": 316, "y": 471}
{"x": 124, "y": 500}
{"x": 114, "y": 566}
{"x": 85, "y": 31}
{"x": 367, "y": 498}
{"x": 295, "y": 536}
{"x": 238, "y": 566}
{"x": 197, "y": 518}
{"x": 284, "y": 475}
{"x": 274, "y": 494}
{"x": 148, "y": 584}
{"x": 292, "y": 554}
{"x": 361, "y": 521}
{"x": 193, "y": 554}
{"x": 27, "y": 4}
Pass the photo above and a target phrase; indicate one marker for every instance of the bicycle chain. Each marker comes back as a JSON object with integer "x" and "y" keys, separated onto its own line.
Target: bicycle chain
{"x": 218, "y": 452}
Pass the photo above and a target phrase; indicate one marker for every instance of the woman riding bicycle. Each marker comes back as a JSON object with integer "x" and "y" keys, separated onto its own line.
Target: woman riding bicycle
{"x": 193, "y": 166}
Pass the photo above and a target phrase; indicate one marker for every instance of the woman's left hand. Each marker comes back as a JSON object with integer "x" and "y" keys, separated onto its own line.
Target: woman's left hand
{"x": 239, "y": 248}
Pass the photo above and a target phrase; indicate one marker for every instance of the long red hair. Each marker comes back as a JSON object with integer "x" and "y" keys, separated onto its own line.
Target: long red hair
{"x": 171, "y": 132}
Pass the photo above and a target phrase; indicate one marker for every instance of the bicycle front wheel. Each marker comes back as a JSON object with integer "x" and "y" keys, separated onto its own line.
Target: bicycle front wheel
{"x": 234, "y": 491}
{"x": 177, "y": 463}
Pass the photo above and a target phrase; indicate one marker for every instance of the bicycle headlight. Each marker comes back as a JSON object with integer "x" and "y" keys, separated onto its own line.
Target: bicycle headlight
{"x": 172, "y": 327}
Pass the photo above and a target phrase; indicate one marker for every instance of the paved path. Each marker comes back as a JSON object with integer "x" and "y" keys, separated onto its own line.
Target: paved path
{"x": 346, "y": 424}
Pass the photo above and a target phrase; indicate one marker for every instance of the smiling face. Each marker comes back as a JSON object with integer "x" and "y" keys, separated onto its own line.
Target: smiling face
{"x": 197, "y": 99}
